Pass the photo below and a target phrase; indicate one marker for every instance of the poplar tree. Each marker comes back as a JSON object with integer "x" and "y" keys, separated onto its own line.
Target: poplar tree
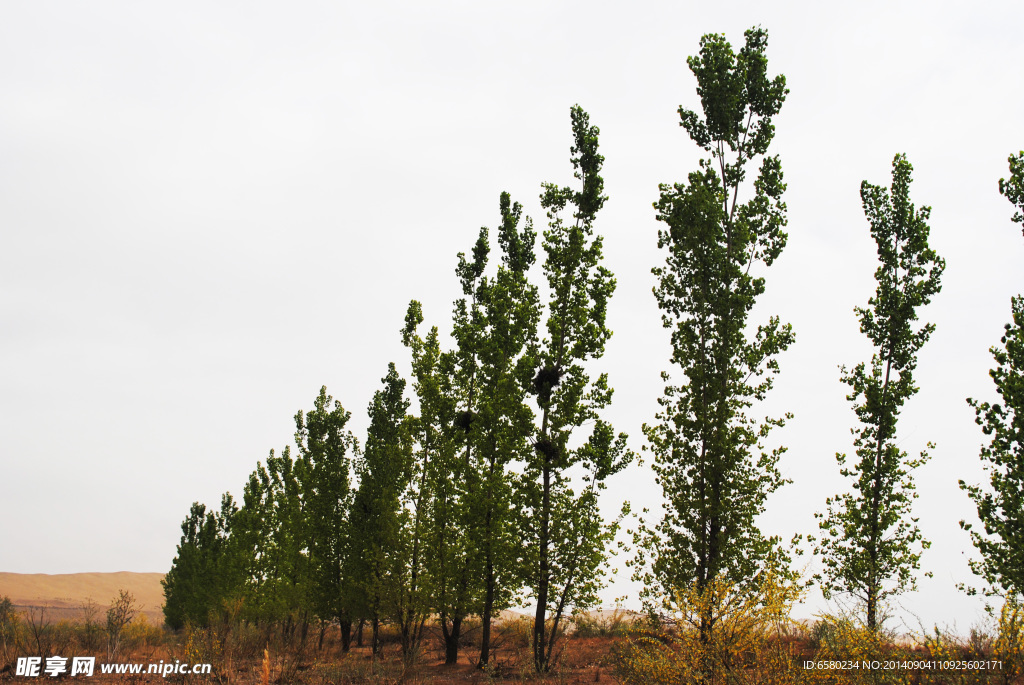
{"x": 454, "y": 544}
{"x": 378, "y": 517}
{"x": 202, "y": 575}
{"x": 709, "y": 456}
{"x": 489, "y": 372}
{"x": 1001, "y": 507}
{"x": 870, "y": 543}
{"x": 440, "y": 517}
{"x": 413, "y": 584}
{"x": 271, "y": 531}
{"x": 565, "y": 538}
{"x": 325, "y": 449}
{"x": 504, "y": 421}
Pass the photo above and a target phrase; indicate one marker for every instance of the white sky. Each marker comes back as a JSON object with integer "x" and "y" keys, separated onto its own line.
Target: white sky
{"x": 209, "y": 210}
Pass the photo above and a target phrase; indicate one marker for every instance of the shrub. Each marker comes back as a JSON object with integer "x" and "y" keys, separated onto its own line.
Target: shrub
{"x": 1009, "y": 645}
{"x": 847, "y": 639}
{"x": 598, "y": 624}
{"x": 121, "y": 612}
{"x": 9, "y": 631}
{"x": 743, "y": 646}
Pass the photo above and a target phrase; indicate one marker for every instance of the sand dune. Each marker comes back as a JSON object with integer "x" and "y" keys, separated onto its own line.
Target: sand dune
{"x": 66, "y": 592}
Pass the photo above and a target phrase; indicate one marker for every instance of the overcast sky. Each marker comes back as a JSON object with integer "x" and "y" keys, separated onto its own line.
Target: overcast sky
{"x": 209, "y": 210}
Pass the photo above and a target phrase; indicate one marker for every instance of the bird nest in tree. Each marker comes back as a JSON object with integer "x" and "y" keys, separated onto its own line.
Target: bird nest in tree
{"x": 463, "y": 420}
{"x": 546, "y": 379}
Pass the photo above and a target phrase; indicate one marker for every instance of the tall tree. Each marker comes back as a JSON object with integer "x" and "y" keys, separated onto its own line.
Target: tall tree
{"x": 378, "y": 517}
{"x": 871, "y": 544}
{"x": 454, "y": 547}
{"x": 271, "y": 530}
{"x": 485, "y": 396}
{"x": 412, "y": 604}
{"x": 1001, "y": 507}
{"x": 440, "y": 544}
{"x": 324, "y": 473}
{"x": 709, "y": 456}
{"x": 565, "y": 539}
{"x": 504, "y": 420}
{"x": 202, "y": 576}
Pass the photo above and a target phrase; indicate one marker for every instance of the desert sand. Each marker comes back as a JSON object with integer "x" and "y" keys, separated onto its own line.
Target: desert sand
{"x": 65, "y": 594}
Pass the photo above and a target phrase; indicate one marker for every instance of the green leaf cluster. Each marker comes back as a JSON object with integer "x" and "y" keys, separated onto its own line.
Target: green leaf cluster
{"x": 710, "y": 458}
{"x": 871, "y": 544}
{"x": 1000, "y": 506}
{"x": 567, "y": 543}
{"x": 278, "y": 559}
{"x": 201, "y": 575}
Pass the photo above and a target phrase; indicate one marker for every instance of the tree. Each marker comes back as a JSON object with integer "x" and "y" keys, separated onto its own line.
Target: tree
{"x": 412, "y": 587}
{"x": 202, "y": 575}
{"x": 324, "y": 475}
{"x": 378, "y": 517}
{"x": 477, "y": 398}
{"x": 501, "y": 428}
{"x": 444, "y": 516}
{"x": 270, "y": 534}
{"x": 281, "y": 557}
{"x": 439, "y": 539}
{"x": 871, "y": 543}
{"x": 451, "y": 392}
{"x": 564, "y": 537}
{"x": 121, "y": 612}
{"x": 709, "y": 456}
{"x": 1001, "y": 507}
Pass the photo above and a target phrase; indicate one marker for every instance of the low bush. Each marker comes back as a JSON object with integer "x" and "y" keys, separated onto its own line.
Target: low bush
{"x": 744, "y": 644}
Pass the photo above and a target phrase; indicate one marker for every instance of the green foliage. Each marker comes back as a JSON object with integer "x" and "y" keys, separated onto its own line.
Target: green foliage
{"x": 500, "y": 342}
{"x": 443, "y": 520}
{"x": 324, "y": 475}
{"x": 378, "y": 517}
{"x": 9, "y": 625}
{"x": 270, "y": 536}
{"x": 709, "y": 455}
{"x": 1001, "y": 507}
{"x": 201, "y": 575}
{"x": 619, "y": 623}
{"x": 871, "y": 543}
{"x": 474, "y": 422}
{"x": 566, "y": 539}
{"x": 428, "y": 494}
{"x": 1013, "y": 189}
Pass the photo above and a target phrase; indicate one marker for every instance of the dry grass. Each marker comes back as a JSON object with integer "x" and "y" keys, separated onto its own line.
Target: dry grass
{"x": 599, "y": 646}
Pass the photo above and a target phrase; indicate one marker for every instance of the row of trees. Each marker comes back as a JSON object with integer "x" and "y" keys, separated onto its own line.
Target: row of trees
{"x": 486, "y": 493}
{"x": 483, "y": 494}
{"x": 710, "y": 460}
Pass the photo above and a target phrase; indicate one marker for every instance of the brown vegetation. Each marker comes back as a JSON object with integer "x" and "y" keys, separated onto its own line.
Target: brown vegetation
{"x": 601, "y": 647}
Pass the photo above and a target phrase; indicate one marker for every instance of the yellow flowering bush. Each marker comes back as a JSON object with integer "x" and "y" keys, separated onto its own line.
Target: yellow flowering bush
{"x": 743, "y": 645}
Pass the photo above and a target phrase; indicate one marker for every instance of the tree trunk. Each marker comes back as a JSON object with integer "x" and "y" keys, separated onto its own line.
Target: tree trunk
{"x": 345, "y": 626}
{"x": 542, "y": 586}
{"x": 451, "y": 640}
{"x": 485, "y": 628}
